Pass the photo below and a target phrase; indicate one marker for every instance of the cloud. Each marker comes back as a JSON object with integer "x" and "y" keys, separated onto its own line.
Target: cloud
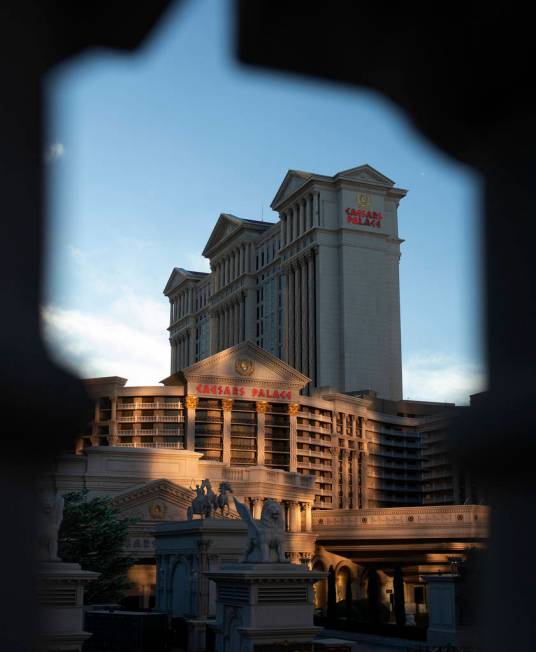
{"x": 439, "y": 377}
{"x": 129, "y": 340}
{"x": 54, "y": 151}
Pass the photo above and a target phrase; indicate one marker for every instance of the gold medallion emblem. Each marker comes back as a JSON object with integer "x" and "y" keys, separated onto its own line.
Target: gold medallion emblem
{"x": 363, "y": 200}
{"x": 244, "y": 366}
{"x": 157, "y": 511}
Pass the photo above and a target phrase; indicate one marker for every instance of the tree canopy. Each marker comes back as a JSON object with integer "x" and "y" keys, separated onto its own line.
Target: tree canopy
{"x": 93, "y": 535}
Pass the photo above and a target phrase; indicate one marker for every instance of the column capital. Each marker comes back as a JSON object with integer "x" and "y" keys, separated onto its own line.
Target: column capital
{"x": 293, "y": 409}
{"x": 227, "y": 404}
{"x": 262, "y": 407}
{"x": 191, "y": 402}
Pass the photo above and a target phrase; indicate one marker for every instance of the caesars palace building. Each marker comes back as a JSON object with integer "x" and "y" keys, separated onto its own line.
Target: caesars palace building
{"x": 286, "y": 376}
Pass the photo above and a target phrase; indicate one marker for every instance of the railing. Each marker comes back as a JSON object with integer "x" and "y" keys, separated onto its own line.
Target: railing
{"x": 149, "y": 406}
{"x": 313, "y": 465}
{"x": 326, "y": 455}
{"x": 151, "y": 419}
{"x": 319, "y": 429}
{"x": 145, "y": 444}
{"x": 154, "y": 433}
{"x": 314, "y": 417}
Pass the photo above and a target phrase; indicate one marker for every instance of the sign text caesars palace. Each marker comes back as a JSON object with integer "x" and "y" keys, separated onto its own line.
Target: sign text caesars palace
{"x": 285, "y": 374}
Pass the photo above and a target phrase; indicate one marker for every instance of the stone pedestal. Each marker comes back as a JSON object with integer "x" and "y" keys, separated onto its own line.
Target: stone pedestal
{"x": 185, "y": 551}
{"x": 265, "y": 607}
{"x": 445, "y": 624}
{"x": 61, "y": 595}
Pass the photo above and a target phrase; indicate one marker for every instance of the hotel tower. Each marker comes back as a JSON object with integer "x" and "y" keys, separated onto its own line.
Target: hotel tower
{"x": 318, "y": 289}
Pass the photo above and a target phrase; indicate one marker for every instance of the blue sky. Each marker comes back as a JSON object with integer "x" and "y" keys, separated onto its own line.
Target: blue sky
{"x": 143, "y": 152}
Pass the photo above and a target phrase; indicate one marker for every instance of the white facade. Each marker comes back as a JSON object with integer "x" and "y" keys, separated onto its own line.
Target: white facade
{"x": 319, "y": 289}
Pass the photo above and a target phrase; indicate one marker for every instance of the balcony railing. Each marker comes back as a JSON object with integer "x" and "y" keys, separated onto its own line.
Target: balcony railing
{"x": 151, "y": 419}
{"x": 149, "y": 406}
{"x": 162, "y": 444}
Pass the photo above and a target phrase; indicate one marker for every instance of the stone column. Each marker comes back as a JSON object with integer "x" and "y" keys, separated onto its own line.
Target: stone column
{"x": 293, "y": 436}
{"x": 291, "y": 343}
{"x": 308, "y": 507}
{"x": 191, "y": 404}
{"x": 355, "y": 479}
{"x": 345, "y": 476}
{"x": 286, "y": 317}
{"x": 173, "y": 356}
{"x": 335, "y": 472}
{"x": 251, "y": 312}
{"x": 305, "y": 321}
{"x": 202, "y": 580}
{"x": 230, "y": 335}
{"x": 283, "y": 228}
{"x": 364, "y": 470}
{"x": 171, "y": 564}
{"x": 256, "y": 507}
{"x": 261, "y": 406}
{"x": 289, "y": 227}
{"x": 113, "y": 422}
{"x": 192, "y": 340}
{"x": 227, "y": 405}
{"x": 311, "y": 315}
{"x": 294, "y": 520}
{"x": 236, "y": 337}
{"x": 220, "y": 329}
{"x": 297, "y": 320}
{"x": 316, "y": 209}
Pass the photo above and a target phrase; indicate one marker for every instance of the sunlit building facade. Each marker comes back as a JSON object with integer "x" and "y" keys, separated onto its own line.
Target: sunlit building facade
{"x": 319, "y": 288}
{"x": 243, "y": 407}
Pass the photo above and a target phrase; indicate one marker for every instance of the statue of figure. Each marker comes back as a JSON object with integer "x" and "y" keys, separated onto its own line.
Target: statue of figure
{"x": 50, "y": 518}
{"x": 204, "y": 502}
{"x": 265, "y": 535}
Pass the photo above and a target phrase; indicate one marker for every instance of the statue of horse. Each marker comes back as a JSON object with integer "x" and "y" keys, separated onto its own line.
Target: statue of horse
{"x": 221, "y": 502}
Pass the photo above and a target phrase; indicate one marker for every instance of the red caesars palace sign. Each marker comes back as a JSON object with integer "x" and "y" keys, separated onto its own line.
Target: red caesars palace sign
{"x": 362, "y": 214}
{"x": 365, "y": 218}
{"x": 248, "y": 392}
